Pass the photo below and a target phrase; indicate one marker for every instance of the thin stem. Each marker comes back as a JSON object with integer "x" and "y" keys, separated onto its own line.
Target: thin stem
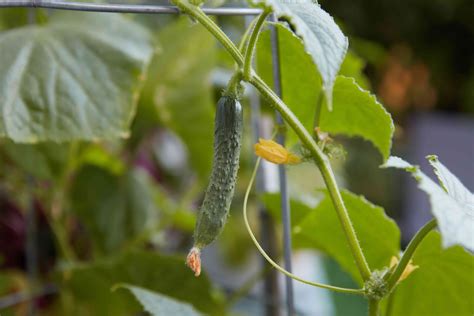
{"x": 409, "y": 251}
{"x": 273, "y": 263}
{"x": 249, "y": 52}
{"x": 212, "y": 27}
{"x": 245, "y": 36}
{"x": 325, "y": 168}
{"x": 374, "y": 307}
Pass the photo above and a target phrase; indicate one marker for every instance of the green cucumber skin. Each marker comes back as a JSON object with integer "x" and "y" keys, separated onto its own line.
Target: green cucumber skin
{"x": 227, "y": 142}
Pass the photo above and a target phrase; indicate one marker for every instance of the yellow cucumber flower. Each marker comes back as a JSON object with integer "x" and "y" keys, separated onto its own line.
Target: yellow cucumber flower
{"x": 274, "y": 152}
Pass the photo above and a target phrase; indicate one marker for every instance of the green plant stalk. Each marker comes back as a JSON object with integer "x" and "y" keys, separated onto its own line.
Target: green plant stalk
{"x": 245, "y": 37}
{"x": 212, "y": 27}
{"x": 321, "y": 160}
{"x": 374, "y": 307}
{"x": 408, "y": 253}
{"x": 249, "y": 52}
{"x": 325, "y": 168}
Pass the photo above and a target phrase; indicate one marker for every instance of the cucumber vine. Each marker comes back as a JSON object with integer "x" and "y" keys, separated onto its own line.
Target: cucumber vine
{"x": 246, "y": 73}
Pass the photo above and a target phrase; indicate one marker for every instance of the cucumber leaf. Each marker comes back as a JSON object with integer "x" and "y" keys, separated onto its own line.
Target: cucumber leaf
{"x": 319, "y": 228}
{"x": 87, "y": 286}
{"x": 451, "y": 203}
{"x": 157, "y": 304}
{"x": 321, "y": 36}
{"x": 114, "y": 208}
{"x": 300, "y": 80}
{"x": 356, "y": 112}
{"x": 441, "y": 285}
{"x": 68, "y": 81}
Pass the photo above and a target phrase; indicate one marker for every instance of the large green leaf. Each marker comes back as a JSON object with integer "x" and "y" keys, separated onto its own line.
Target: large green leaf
{"x": 319, "y": 228}
{"x": 114, "y": 208}
{"x": 322, "y": 38}
{"x": 158, "y": 304}
{"x": 451, "y": 203}
{"x": 180, "y": 88}
{"x": 89, "y": 286}
{"x": 300, "y": 80}
{"x": 74, "y": 78}
{"x": 356, "y": 112}
{"x": 443, "y": 285}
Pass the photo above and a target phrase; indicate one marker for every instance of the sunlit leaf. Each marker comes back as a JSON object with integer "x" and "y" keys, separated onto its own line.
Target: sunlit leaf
{"x": 319, "y": 228}
{"x": 300, "y": 80}
{"x": 322, "y": 38}
{"x": 356, "y": 112}
{"x": 442, "y": 285}
{"x": 66, "y": 80}
{"x": 451, "y": 203}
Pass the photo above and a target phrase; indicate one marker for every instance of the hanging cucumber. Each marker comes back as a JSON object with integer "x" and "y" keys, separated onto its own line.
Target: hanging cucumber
{"x": 215, "y": 207}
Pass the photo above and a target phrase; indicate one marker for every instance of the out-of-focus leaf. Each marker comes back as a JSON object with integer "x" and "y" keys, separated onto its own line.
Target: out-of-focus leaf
{"x": 319, "y": 228}
{"x": 158, "y": 304}
{"x": 97, "y": 155}
{"x": 451, "y": 203}
{"x": 115, "y": 208}
{"x": 300, "y": 80}
{"x": 179, "y": 86}
{"x": 322, "y": 38}
{"x": 74, "y": 78}
{"x": 442, "y": 285}
{"x": 89, "y": 286}
{"x": 44, "y": 161}
{"x": 356, "y": 112}
{"x": 13, "y": 17}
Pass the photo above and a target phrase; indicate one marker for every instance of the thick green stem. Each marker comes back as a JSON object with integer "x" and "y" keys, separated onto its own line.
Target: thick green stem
{"x": 374, "y": 307}
{"x": 207, "y": 22}
{"x": 409, "y": 251}
{"x": 325, "y": 168}
{"x": 249, "y": 52}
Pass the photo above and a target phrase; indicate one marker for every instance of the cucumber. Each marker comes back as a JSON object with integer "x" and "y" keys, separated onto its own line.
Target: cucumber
{"x": 215, "y": 207}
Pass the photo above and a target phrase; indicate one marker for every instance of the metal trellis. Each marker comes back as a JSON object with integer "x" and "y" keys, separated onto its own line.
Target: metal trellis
{"x": 227, "y": 11}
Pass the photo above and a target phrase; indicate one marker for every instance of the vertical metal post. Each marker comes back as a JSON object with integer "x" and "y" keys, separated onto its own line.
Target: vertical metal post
{"x": 285, "y": 202}
{"x": 31, "y": 249}
{"x": 271, "y": 290}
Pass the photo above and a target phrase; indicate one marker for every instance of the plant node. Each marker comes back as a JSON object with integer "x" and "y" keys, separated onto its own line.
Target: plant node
{"x": 376, "y": 287}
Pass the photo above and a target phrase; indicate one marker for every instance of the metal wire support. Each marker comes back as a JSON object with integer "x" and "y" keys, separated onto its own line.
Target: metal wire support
{"x": 285, "y": 201}
{"x": 120, "y": 8}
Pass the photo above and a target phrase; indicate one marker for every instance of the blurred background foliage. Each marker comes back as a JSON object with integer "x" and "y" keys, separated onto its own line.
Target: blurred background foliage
{"x": 123, "y": 211}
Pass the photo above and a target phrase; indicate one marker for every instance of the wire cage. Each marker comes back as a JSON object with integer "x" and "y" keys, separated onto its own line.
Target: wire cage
{"x": 270, "y": 284}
